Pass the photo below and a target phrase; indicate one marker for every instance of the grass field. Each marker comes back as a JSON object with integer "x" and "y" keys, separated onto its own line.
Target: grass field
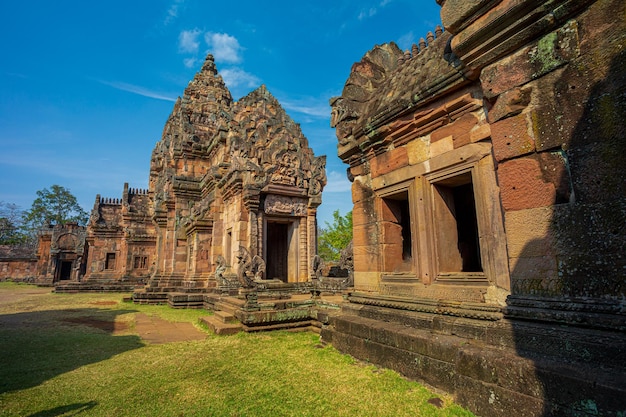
{"x": 79, "y": 354}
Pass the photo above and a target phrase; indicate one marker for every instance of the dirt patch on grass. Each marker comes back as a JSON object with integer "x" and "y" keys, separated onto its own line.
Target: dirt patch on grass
{"x": 108, "y": 326}
{"x": 156, "y": 330}
{"x": 104, "y": 303}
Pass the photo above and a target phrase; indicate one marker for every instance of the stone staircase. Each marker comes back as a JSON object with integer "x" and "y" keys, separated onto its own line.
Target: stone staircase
{"x": 223, "y": 321}
{"x": 173, "y": 291}
{"x": 232, "y": 314}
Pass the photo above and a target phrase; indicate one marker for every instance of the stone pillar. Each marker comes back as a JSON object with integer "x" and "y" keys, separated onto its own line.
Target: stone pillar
{"x": 311, "y": 240}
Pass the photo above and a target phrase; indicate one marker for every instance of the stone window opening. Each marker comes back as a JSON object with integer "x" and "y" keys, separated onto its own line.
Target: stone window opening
{"x": 455, "y": 218}
{"x": 456, "y": 226}
{"x": 109, "y": 261}
{"x": 140, "y": 262}
{"x": 229, "y": 247}
{"x": 396, "y": 233}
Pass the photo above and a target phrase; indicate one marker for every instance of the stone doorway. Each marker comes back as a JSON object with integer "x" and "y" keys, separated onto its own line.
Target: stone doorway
{"x": 64, "y": 269}
{"x": 280, "y": 251}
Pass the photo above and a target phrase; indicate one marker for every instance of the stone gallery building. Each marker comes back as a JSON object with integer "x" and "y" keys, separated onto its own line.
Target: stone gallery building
{"x": 490, "y": 205}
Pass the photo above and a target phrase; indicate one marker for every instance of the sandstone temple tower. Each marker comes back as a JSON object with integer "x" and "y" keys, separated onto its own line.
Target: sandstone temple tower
{"x": 230, "y": 176}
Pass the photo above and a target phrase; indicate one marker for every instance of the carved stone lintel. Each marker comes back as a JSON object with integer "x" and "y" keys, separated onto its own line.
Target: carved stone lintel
{"x": 291, "y": 206}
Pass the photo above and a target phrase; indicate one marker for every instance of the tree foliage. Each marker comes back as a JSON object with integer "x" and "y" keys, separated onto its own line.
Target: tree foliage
{"x": 55, "y": 206}
{"x": 11, "y": 232}
{"x": 335, "y": 237}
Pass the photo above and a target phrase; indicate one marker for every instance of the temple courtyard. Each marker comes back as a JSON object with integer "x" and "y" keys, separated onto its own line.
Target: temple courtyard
{"x": 96, "y": 355}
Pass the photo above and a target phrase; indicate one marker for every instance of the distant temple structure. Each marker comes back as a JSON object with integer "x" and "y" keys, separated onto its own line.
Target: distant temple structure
{"x": 490, "y": 207}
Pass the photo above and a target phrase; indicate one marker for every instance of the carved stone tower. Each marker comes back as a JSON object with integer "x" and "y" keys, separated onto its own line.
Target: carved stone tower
{"x": 227, "y": 175}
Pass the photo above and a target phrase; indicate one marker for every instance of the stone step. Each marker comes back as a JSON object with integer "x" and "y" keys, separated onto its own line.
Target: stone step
{"x": 184, "y": 300}
{"x": 225, "y": 317}
{"x": 220, "y": 328}
{"x": 228, "y": 308}
{"x": 229, "y": 304}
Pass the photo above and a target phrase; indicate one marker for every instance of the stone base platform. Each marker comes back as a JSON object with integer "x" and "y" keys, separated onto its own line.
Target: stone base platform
{"x": 96, "y": 286}
{"x": 493, "y": 366}
{"x": 295, "y": 312}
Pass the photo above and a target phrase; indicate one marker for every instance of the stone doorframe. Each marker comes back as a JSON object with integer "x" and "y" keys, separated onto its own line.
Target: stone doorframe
{"x": 292, "y": 247}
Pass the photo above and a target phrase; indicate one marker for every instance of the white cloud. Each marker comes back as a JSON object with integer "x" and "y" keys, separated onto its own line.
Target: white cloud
{"x": 135, "y": 89}
{"x": 188, "y": 41}
{"x": 172, "y": 12}
{"x": 308, "y": 107}
{"x": 190, "y": 62}
{"x": 367, "y": 13}
{"x": 225, "y": 48}
{"x": 235, "y": 77}
{"x": 337, "y": 183}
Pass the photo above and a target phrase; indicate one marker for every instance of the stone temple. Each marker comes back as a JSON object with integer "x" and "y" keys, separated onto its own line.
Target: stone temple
{"x": 225, "y": 179}
{"x": 489, "y": 210}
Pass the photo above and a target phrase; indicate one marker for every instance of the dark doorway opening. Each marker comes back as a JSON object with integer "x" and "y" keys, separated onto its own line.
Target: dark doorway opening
{"x": 277, "y": 244}
{"x": 65, "y": 272}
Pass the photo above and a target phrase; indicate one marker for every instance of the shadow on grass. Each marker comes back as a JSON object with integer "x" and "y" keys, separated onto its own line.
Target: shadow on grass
{"x": 66, "y": 410}
{"x": 38, "y": 346}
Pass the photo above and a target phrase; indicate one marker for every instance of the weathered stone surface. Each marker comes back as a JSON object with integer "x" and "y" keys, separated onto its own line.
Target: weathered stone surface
{"x": 389, "y": 161}
{"x": 510, "y": 103}
{"x": 442, "y": 146}
{"x": 456, "y": 129}
{"x": 533, "y": 181}
{"x": 418, "y": 150}
{"x": 547, "y": 54}
{"x": 512, "y": 138}
{"x": 528, "y": 232}
{"x": 18, "y": 263}
{"x": 456, "y": 14}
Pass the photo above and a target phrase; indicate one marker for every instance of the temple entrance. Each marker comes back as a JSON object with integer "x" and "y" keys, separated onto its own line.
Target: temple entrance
{"x": 65, "y": 270}
{"x": 277, "y": 250}
{"x": 280, "y": 251}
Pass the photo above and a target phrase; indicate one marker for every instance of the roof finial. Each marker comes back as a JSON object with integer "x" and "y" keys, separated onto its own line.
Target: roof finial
{"x": 209, "y": 65}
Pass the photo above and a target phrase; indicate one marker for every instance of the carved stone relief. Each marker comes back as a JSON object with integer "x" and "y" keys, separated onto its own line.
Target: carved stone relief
{"x": 278, "y": 204}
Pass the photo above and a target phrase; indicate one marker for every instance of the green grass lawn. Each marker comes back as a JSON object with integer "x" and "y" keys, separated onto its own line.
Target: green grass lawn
{"x": 78, "y": 354}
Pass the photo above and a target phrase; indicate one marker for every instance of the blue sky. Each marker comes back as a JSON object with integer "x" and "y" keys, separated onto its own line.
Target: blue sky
{"x": 86, "y": 87}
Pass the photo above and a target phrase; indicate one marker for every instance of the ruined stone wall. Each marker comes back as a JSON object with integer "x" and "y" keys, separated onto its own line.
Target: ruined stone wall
{"x": 558, "y": 122}
{"x": 17, "y": 264}
{"x": 407, "y": 148}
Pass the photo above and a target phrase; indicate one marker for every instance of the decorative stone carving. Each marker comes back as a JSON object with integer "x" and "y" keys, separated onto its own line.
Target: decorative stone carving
{"x": 219, "y": 269}
{"x": 318, "y": 266}
{"x": 251, "y": 268}
{"x": 278, "y": 204}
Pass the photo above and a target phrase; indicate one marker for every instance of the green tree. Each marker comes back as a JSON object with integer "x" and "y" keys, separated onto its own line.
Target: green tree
{"x": 334, "y": 237}
{"x": 56, "y": 206}
{"x": 11, "y": 224}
